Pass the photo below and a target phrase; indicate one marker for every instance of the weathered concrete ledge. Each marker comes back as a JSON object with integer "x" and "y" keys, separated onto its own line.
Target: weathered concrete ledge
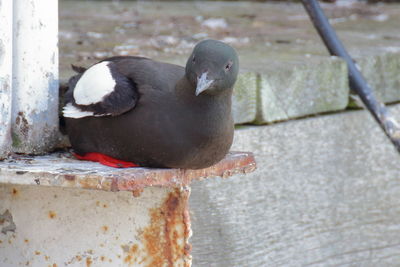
{"x": 62, "y": 170}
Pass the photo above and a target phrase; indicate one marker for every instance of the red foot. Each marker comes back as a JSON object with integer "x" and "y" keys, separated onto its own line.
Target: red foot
{"x": 105, "y": 160}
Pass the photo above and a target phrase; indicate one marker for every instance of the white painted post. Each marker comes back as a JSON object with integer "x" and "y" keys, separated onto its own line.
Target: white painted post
{"x": 5, "y": 76}
{"x": 35, "y": 75}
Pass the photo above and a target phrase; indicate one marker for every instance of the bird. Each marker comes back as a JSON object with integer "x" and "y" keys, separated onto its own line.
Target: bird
{"x": 127, "y": 111}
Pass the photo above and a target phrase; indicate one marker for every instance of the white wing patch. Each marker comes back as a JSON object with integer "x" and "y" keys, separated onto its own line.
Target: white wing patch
{"x": 70, "y": 111}
{"x": 95, "y": 83}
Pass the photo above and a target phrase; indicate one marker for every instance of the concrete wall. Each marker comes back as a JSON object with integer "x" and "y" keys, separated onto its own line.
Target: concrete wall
{"x": 326, "y": 193}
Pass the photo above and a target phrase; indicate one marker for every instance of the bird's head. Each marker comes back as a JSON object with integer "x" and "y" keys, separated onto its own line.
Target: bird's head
{"x": 212, "y": 67}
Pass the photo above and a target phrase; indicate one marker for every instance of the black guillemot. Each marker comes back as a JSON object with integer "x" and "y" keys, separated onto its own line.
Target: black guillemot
{"x": 154, "y": 114}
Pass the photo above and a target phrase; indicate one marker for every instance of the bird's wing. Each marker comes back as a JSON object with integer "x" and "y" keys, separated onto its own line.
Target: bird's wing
{"x": 101, "y": 90}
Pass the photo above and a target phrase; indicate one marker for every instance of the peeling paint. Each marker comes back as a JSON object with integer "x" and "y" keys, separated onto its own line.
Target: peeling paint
{"x": 7, "y": 223}
{"x": 22, "y": 123}
{"x": 165, "y": 240}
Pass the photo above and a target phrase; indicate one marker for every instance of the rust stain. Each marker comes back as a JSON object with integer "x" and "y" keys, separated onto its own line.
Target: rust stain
{"x": 165, "y": 238}
{"x": 102, "y": 258}
{"x": 52, "y": 214}
{"x": 137, "y": 193}
{"x": 132, "y": 256}
{"x": 46, "y": 257}
{"x": 89, "y": 262}
{"x": 27, "y": 263}
{"x": 138, "y": 178}
{"x": 233, "y": 163}
{"x": 37, "y": 252}
{"x": 78, "y": 257}
{"x": 26, "y": 240}
{"x": 69, "y": 177}
{"x": 89, "y": 182}
{"x": 14, "y": 192}
{"x": 104, "y": 228}
{"x": 54, "y": 265}
{"x": 93, "y": 182}
{"x": 105, "y": 206}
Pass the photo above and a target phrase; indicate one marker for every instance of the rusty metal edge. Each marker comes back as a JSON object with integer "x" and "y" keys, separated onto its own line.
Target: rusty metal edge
{"x": 242, "y": 162}
{"x": 134, "y": 180}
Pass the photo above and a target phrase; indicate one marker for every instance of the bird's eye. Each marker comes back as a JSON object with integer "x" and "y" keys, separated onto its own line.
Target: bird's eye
{"x": 228, "y": 66}
{"x": 193, "y": 59}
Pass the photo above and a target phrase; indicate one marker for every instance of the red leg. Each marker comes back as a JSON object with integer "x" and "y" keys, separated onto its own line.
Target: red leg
{"x": 105, "y": 160}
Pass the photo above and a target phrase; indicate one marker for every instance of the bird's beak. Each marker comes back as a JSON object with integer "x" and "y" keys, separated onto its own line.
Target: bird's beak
{"x": 203, "y": 83}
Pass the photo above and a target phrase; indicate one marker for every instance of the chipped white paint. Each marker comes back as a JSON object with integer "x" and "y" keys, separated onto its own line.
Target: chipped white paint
{"x": 5, "y": 76}
{"x": 64, "y": 227}
{"x": 71, "y": 111}
{"x": 96, "y": 83}
{"x": 35, "y": 75}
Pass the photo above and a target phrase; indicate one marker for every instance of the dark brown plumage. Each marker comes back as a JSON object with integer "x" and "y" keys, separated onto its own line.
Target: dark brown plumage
{"x": 159, "y": 114}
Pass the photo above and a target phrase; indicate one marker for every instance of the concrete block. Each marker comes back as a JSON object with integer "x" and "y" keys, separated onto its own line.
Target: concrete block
{"x": 244, "y": 102}
{"x": 382, "y": 73}
{"x": 298, "y": 90}
{"x": 326, "y": 193}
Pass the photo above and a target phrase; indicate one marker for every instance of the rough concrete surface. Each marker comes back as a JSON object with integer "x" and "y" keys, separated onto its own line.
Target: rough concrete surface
{"x": 275, "y": 40}
{"x": 382, "y": 72}
{"x": 244, "y": 100}
{"x": 308, "y": 88}
{"x": 326, "y": 193}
